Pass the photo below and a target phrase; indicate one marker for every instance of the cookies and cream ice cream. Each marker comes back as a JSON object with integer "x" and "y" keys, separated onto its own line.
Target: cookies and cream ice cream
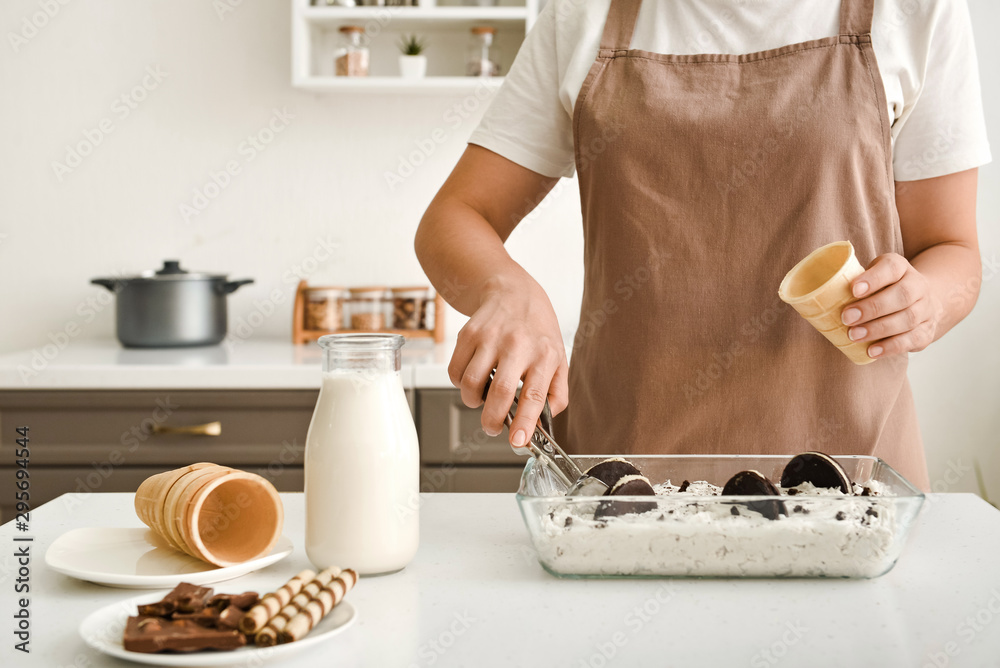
{"x": 846, "y": 536}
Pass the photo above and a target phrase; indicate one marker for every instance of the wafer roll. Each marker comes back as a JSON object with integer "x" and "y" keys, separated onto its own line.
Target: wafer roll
{"x": 268, "y": 635}
{"x": 257, "y": 617}
{"x": 318, "y": 608}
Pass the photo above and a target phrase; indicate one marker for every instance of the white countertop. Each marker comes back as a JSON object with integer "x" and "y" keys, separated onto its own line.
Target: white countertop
{"x": 245, "y": 365}
{"x": 476, "y": 596}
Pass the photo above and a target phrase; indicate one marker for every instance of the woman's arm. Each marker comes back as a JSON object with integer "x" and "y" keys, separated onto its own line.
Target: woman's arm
{"x": 512, "y": 327}
{"x": 913, "y": 301}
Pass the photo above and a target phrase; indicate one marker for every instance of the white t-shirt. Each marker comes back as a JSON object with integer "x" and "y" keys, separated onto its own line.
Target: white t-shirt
{"x": 924, "y": 49}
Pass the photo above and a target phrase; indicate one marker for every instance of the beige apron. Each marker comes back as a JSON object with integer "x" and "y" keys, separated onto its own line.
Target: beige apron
{"x": 703, "y": 179}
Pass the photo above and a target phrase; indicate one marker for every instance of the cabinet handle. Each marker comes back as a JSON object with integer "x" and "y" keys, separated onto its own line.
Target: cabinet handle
{"x": 207, "y": 429}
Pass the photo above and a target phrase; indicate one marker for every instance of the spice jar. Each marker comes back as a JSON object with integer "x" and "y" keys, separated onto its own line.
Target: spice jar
{"x": 484, "y": 58}
{"x": 352, "y": 55}
{"x": 367, "y": 309}
{"x": 324, "y": 309}
{"x": 409, "y": 308}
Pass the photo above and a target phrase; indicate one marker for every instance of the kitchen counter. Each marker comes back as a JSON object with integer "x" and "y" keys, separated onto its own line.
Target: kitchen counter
{"x": 476, "y": 596}
{"x": 243, "y": 365}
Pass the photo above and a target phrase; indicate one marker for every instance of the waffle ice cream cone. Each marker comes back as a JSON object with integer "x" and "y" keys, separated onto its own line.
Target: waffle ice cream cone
{"x": 151, "y": 494}
{"x": 819, "y": 287}
{"x": 214, "y": 513}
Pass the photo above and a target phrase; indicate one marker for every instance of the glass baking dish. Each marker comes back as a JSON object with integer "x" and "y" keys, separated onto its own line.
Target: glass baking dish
{"x": 701, "y": 535}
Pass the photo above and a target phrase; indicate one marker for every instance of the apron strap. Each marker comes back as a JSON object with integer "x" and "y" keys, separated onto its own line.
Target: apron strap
{"x": 620, "y": 24}
{"x": 856, "y": 17}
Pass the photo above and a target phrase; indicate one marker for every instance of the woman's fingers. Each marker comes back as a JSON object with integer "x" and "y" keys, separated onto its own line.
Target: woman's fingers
{"x": 475, "y": 375}
{"x": 559, "y": 388}
{"x": 883, "y": 271}
{"x": 465, "y": 348}
{"x": 899, "y": 322}
{"x": 530, "y": 404}
{"x": 501, "y": 395}
{"x": 914, "y": 340}
{"x": 899, "y": 296}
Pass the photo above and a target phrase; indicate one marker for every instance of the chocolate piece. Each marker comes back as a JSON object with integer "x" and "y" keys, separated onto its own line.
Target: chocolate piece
{"x": 185, "y": 597}
{"x": 817, "y": 468}
{"x": 630, "y": 485}
{"x": 243, "y": 601}
{"x": 230, "y": 617}
{"x": 753, "y": 483}
{"x": 610, "y": 471}
{"x": 841, "y": 515}
{"x": 733, "y": 510}
{"x": 684, "y": 486}
{"x": 155, "y": 634}
{"x": 207, "y": 616}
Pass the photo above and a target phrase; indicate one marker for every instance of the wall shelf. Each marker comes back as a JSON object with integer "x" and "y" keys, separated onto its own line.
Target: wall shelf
{"x": 446, "y": 28}
{"x": 418, "y": 18}
{"x": 399, "y": 85}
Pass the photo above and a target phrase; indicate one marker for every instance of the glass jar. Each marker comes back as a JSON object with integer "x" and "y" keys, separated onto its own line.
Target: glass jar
{"x": 409, "y": 308}
{"x": 367, "y": 309}
{"x": 351, "y": 59}
{"x": 484, "y": 58}
{"x": 362, "y": 463}
{"x": 324, "y": 309}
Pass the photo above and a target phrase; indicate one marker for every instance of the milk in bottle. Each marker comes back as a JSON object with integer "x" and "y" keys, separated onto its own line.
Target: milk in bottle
{"x": 362, "y": 472}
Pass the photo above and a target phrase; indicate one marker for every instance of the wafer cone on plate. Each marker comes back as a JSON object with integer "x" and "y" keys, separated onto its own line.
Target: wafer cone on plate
{"x": 819, "y": 287}
{"x": 214, "y": 513}
{"x": 151, "y": 494}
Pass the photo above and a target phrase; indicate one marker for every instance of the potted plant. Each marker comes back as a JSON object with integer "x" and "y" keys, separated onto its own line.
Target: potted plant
{"x": 412, "y": 61}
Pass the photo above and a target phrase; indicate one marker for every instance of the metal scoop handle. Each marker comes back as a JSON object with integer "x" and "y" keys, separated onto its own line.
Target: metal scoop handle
{"x": 541, "y": 444}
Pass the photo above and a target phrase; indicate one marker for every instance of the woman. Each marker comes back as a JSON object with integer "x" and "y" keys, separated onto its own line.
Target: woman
{"x": 704, "y": 177}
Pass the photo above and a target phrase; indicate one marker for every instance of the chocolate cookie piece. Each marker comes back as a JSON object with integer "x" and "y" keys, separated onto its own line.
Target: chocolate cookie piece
{"x": 629, "y": 485}
{"x": 753, "y": 483}
{"x": 155, "y": 634}
{"x": 610, "y": 471}
{"x": 816, "y": 468}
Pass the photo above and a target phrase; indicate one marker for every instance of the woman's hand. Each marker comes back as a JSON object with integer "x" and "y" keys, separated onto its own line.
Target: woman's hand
{"x": 514, "y": 331}
{"x": 897, "y": 308}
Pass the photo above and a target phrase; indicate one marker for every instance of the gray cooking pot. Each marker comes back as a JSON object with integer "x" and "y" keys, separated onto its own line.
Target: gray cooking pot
{"x": 171, "y": 307}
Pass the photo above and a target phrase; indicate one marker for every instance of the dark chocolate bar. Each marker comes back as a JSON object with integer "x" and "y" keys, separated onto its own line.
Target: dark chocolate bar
{"x": 154, "y": 634}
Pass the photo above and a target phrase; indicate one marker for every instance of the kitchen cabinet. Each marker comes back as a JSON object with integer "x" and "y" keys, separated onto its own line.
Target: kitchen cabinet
{"x": 85, "y": 441}
{"x": 109, "y": 441}
{"x": 456, "y": 455}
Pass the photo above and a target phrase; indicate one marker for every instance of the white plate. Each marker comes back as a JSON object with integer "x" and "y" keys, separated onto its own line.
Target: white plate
{"x": 103, "y": 630}
{"x": 140, "y": 559}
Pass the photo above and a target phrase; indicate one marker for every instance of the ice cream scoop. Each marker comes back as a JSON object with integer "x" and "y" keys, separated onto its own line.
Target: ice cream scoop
{"x": 544, "y": 448}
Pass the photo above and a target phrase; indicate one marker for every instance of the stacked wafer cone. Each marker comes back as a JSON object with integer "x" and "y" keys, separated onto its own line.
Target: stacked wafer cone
{"x": 214, "y": 513}
{"x": 819, "y": 287}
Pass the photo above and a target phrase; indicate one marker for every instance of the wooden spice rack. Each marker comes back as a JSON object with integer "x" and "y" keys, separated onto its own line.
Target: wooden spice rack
{"x": 302, "y": 335}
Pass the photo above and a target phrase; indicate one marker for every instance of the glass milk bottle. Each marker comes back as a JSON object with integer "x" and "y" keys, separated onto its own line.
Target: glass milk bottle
{"x": 362, "y": 471}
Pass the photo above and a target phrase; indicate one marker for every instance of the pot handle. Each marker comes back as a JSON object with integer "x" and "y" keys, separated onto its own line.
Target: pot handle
{"x": 109, "y": 283}
{"x": 233, "y": 286}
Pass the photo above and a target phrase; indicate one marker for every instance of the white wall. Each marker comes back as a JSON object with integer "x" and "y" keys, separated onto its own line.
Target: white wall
{"x": 320, "y": 181}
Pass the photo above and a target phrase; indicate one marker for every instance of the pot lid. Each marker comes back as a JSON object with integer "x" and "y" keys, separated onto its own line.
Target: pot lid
{"x": 172, "y": 271}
